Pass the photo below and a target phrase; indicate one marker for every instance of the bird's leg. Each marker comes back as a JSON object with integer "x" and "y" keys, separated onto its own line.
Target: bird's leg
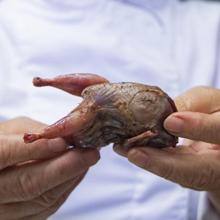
{"x": 78, "y": 118}
{"x": 139, "y": 140}
{"x": 71, "y": 83}
{"x": 69, "y": 125}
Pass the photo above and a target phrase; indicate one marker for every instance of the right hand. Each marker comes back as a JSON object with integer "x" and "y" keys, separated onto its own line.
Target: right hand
{"x": 36, "y": 179}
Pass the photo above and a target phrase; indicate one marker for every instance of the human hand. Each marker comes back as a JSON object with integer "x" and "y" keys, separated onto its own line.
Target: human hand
{"x": 196, "y": 164}
{"x": 36, "y": 179}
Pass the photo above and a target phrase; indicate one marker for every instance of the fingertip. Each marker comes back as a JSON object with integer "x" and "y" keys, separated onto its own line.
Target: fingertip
{"x": 174, "y": 124}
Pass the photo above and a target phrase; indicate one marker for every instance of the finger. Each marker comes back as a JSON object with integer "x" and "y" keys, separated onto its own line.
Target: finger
{"x": 199, "y": 99}
{"x": 27, "y": 182}
{"x": 19, "y": 125}
{"x": 180, "y": 149}
{"x": 195, "y": 126}
{"x": 121, "y": 150}
{"x": 190, "y": 170}
{"x": 51, "y": 210}
{"x": 17, "y": 210}
{"x": 13, "y": 150}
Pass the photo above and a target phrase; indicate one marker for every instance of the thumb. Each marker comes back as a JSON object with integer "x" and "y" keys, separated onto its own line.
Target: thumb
{"x": 194, "y": 126}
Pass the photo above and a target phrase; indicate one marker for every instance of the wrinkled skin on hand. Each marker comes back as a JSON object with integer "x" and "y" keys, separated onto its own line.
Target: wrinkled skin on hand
{"x": 129, "y": 114}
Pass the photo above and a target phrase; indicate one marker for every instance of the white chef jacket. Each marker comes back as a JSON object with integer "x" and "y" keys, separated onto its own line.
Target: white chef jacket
{"x": 168, "y": 43}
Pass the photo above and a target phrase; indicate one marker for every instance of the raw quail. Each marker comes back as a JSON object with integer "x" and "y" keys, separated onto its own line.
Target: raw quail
{"x": 127, "y": 113}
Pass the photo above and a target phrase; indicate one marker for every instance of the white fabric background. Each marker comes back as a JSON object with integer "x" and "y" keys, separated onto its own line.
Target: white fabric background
{"x": 163, "y": 42}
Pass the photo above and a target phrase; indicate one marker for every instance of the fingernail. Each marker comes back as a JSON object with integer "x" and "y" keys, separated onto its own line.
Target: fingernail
{"x": 174, "y": 124}
{"x": 138, "y": 157}
{"x": 57, "y": 145}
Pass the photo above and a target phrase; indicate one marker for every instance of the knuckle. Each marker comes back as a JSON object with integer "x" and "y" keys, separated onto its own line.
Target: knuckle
{"x": 62, "y": 169}
{"x": 200, "y": 128}
{"x": 47, "y": 199}
{"x": 28, "y": 186}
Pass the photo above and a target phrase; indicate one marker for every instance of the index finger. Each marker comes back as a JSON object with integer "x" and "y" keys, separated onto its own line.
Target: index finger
{"x": 202, "y": 99}
{"x": 19, "y": 125}
{"x": 13, "y": 150}
{"x": 29, "y": 181}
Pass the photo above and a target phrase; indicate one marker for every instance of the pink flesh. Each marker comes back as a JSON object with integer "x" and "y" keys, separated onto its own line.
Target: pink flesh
{"x": 74, "y": 84}
{"x": 71, "y": 83}
{"x": 68, "y": 125}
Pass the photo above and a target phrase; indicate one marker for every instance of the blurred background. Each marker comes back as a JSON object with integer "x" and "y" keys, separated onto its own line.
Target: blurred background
{"x": 169, "y": 43}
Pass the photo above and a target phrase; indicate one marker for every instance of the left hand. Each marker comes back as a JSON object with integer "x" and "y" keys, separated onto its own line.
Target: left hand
{"x": 37, "y": 178}
{"x": 196, "y": 164}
